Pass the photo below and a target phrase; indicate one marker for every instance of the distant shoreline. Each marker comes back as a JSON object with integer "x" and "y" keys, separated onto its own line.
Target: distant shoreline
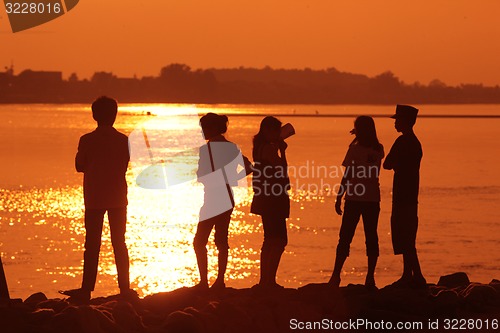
{"x": 355, "y": 115}
{"x": 178, "y": 83}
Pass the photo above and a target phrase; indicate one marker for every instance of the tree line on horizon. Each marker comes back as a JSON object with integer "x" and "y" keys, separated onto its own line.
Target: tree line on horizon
{"x": 178, "y": 83}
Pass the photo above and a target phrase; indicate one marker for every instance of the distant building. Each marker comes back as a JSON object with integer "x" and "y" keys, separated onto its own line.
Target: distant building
{"x": 4, "y": 78}
{"x": 7, "y": 76}
{"x": 39, "y": 77}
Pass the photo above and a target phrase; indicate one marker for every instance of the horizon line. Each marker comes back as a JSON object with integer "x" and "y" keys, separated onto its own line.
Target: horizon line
{"x": 242, "y": 67}
{"x": 351, "y": 115}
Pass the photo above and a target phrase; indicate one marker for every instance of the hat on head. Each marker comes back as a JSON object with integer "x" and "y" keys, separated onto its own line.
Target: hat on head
{"x": 405, "y": 111}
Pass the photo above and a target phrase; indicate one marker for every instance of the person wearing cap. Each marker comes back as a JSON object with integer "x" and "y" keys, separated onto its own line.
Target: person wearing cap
{"x": 404, "y": 158}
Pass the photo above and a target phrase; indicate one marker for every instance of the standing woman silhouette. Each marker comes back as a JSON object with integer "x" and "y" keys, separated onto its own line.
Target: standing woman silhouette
{"x": 271, "y": 201}
{"x": 361, "y": 188}
{"x": 217, "y": 156}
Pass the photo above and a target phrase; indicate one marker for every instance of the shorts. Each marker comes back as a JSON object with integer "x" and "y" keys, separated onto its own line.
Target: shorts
{"x": 404, "y": 226}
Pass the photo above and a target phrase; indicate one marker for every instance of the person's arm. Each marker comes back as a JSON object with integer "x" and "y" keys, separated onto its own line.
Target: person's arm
{"x": 391, "y": 160}
{"x": 128, "y": 151}
{"x": 283, "y": 146}
{"x": 270, "y": 154}
{"x": 382, "y": 152}
{"x": 342, "y": 189}
{"x": 388, "y": 163}
{"x": 80, "y": 159}
{"x": 348, "y": 162}
{"x": 248, "y": 168}
{"x": 204, "y": 164}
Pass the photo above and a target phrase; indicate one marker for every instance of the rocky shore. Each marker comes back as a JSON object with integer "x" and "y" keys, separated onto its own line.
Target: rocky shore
{"x": 453, "y": 303}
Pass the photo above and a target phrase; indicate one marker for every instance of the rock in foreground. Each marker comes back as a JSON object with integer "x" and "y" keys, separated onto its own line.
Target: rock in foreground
{"x": 315, "y": 306}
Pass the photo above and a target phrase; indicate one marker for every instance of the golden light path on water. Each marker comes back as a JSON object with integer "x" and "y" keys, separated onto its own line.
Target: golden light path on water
{"x": 162, "y": 221}
{"x": 160, "y": 230}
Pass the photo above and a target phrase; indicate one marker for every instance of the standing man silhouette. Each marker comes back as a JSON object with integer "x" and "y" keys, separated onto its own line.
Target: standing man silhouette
{"x": 404, "y": 158}
{"x": 103, "y": 157}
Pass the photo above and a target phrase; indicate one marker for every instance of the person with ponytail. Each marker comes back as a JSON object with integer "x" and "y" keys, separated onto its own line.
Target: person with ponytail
{"x": 361, "y": 189}
{"x": 217, "y": 171}
{"x": 271, "y": 201}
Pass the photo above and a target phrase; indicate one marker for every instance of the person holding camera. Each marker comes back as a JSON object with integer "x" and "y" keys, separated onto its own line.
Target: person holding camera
{"x": 271, "y": 201}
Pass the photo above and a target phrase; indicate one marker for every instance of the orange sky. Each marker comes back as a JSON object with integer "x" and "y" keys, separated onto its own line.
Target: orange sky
{"x": 456, "y": 41}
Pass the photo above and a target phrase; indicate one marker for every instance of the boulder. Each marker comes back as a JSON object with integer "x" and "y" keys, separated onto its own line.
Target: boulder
{"x": 41, "y": 316}
{"x": 57, "y": 305}
{"x": 126, "y": 317}
{"x": 446, "y": 303}
{"x": 479, "y": 295}
{"x": 35, "y": 299}
{"x": 182, "y": 322}
{"x": 454, "y": 280}
{"x": 495, "y": 284}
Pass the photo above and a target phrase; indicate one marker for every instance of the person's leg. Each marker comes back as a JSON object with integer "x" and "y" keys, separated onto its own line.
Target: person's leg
{"x": 410, "y": 262}
{"x": 221, "y": 242}
{"x": 407, "y": 266}
{"x": 370, "y": 215}
{"x": 93, "y": 230}
{"x": 399, "y": 234}
{"x": 337, "y": 269}
{"x": 265, "y": 251}
{"x": 118, "y": 225}
{"x": 414, "y": 263}
{"x": 200, "y": 247}
{"x": 419, "y": 280}
{"x": 370, "y": 275}
{"x": 407, "y": 276}
{"x": 279, "y": 242}
{"x": 350, "y": 220}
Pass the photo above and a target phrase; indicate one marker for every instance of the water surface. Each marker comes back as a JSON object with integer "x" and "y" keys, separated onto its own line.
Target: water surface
{"x": 41, "y": 204}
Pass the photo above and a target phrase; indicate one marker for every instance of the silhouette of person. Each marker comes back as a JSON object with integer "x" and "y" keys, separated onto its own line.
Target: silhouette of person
{"x": 360, "y": 186}
{"x": 4, "y": 291}
{"x": 218, "y": 154}
{"x": 103, "y": 157}
{"x": 270, "y": 201}
{"x": 404, "y": 158}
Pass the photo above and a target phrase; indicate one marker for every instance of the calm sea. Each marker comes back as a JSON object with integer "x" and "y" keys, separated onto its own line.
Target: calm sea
{"x": 41, "y": 204}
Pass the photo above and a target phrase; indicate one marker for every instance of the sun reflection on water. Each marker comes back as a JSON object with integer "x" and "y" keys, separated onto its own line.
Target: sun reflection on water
{"x": 47, "y": 223}
{"x": 160, "y": 230}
